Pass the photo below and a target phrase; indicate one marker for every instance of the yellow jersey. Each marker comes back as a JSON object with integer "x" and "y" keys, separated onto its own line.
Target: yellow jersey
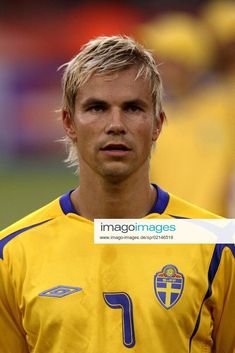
{"x": 62, "y": 293}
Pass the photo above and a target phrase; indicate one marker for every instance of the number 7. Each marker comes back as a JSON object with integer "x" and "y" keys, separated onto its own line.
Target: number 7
{"x": 122, "y": 301}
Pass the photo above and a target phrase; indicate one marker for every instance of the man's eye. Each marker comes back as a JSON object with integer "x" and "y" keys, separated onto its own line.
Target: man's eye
{"x": 96, "y": 108}
{"x": 133, "y": 108}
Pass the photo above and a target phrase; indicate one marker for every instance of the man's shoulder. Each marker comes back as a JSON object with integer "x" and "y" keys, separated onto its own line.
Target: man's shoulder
{"x": 179, "y": 208}
{"x": 40, "y": 216}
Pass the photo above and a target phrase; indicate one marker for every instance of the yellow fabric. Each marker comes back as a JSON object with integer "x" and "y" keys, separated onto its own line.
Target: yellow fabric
{"x": 61, "y": 252}
{"x": 195, "y": 154}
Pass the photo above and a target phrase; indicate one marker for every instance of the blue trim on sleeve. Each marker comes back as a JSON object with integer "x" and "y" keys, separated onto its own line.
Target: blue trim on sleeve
{"x": 178, "y": 217}
{"x": 215, "y": 261}
{"x": 161, "y": 202}
{"x": 9, "y": 237}
{"x": 66, "y": 203}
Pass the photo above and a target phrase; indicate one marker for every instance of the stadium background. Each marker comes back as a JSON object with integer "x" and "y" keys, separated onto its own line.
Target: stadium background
{"x": 35, "y": 39}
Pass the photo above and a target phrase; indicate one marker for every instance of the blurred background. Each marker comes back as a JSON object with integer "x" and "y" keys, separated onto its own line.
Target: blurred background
{"x": 193, "y": 42}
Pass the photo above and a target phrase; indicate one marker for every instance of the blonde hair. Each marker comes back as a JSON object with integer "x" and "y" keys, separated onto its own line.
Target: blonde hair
{"x": 104, "y": 55}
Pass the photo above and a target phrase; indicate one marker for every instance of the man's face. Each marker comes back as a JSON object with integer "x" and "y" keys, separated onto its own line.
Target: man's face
{"x": 113, "y": 125}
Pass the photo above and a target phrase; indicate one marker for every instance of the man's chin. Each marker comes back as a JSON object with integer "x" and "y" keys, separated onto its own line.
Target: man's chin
{"x": 115, "y": 175}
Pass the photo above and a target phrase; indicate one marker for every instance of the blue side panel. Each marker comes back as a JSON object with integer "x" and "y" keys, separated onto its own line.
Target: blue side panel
{"x": 5, "y": 240}
{"x": 215, "y": 261}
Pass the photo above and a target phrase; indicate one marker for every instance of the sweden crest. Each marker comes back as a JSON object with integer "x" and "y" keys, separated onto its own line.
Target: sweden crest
{"x": 168, "y": 286}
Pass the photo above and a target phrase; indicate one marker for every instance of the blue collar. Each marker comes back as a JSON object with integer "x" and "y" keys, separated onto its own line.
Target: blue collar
{"x": 159, "y": 206}
{"x": 161, "y": 201}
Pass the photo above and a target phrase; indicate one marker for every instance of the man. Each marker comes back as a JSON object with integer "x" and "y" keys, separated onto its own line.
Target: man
{"x": 58, "y": 290}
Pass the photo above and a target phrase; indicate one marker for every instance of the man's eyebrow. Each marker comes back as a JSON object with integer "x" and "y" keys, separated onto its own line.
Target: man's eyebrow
{"x": 92, "y": 100}
{"x": 136, "y": 101}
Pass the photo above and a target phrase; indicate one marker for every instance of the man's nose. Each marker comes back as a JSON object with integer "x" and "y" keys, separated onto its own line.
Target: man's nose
{"x": 116, "y": 124}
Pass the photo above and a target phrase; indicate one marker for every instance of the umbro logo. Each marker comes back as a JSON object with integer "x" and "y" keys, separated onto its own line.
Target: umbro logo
{"x": 59, "y": 291}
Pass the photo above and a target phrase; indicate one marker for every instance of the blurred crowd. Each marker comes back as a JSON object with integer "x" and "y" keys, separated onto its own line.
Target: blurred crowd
{"x": 195, "y": 49}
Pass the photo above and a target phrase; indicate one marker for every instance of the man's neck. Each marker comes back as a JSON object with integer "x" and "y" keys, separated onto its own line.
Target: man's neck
{"x": 131, "y": 198}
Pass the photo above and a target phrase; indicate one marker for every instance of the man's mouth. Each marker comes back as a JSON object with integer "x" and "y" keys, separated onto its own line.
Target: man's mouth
{"x": 116, "y": 149}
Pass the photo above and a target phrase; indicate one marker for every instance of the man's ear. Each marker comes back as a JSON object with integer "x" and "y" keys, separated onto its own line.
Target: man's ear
{"x": 69, "y": 125}
{"x": 158, "y": 122}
